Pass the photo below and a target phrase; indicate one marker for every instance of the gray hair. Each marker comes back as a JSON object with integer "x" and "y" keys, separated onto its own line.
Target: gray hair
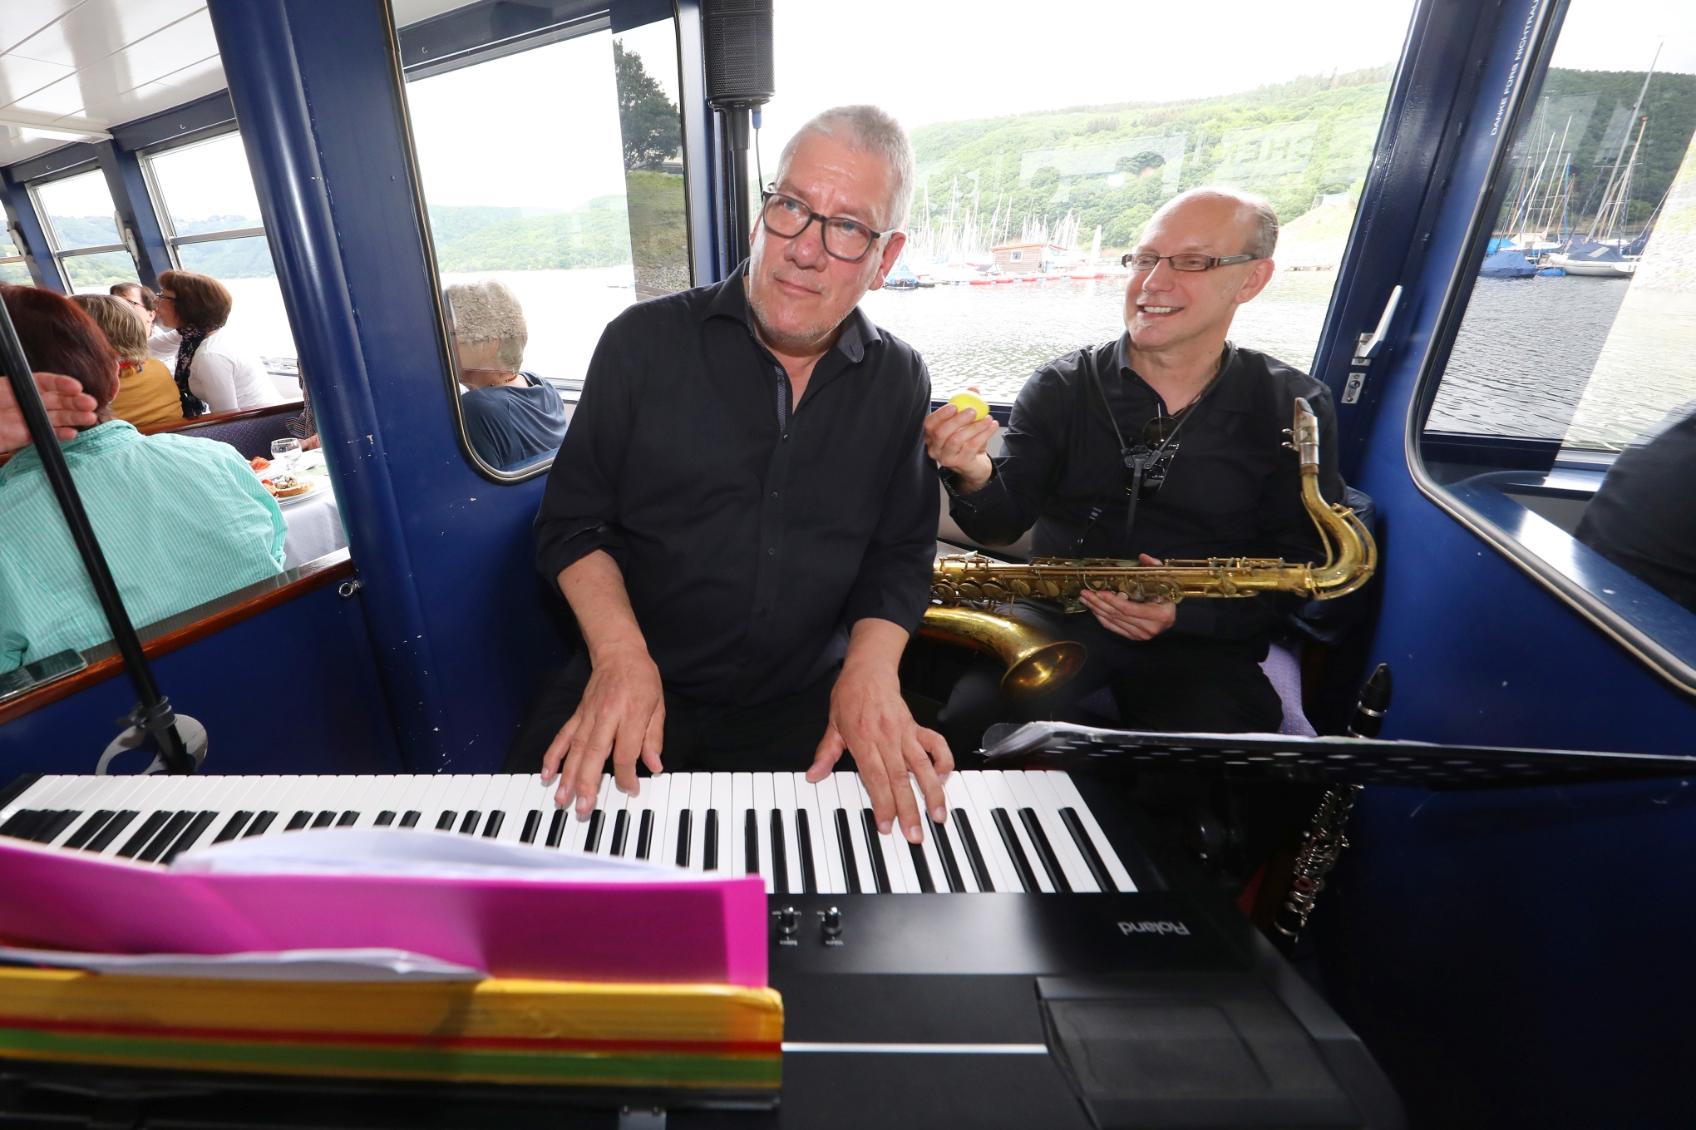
{"x": 1258, "y": 209}
{"x": 489, "y": 311}
{"x": 869, "y": 130}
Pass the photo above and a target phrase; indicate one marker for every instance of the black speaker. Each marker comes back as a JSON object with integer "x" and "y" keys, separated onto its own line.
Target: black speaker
{"x": 737, "y": 35}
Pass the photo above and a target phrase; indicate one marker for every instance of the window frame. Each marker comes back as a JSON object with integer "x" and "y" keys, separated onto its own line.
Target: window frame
{"x": 57, "y": 255}
{"x": 161, "y": 209}
{"x": 1641, "y": 619}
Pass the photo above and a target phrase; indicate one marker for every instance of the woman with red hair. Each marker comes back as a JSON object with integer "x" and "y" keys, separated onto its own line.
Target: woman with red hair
{"x": 181, "y": 521}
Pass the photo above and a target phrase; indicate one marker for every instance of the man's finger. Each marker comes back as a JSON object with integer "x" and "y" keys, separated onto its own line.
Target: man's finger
{"x": 874, "y": 778}
{"x": 924, "y": 774}
{"x": 653, "y": 741}
{"x": 826, "y": 755}
{"x": 557, "y": 749}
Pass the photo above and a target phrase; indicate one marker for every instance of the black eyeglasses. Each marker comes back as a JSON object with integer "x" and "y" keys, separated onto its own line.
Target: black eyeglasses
{"x": 1146, "y": 261}
{"x": 844, "y": 239}
{"x": 1147, "y": 463}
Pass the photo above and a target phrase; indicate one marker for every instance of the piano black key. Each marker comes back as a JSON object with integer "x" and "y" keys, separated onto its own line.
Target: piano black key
{"x": 21, "y": 824}
{"x": 750, "y": 843}
{"x": 53, "y": 824}
{"x": 196, "y": 828}
{"x": 468, "y": 826}
{"x": 103, "y": 838}
{"x": 620, "y": 830}
{"x": 683, "y": 838}
{"x": 143, "y": 835}
{"x": 164, "y": 837}
{"x": 709, "y": 849}
{"x": 89, "y": 827}
{"x": 410, "y": 820}
{"x": 261, "y": 822}
{"x": 1010, "y": 840}
{"x": 974, "y": 854}
{"x": 593, "y": 839}
{"x": 532, "y": 824}
{"x": 444, "y": 822}
{"x": 804, "y": 834}
{"x": 779, "y": 855}
{"x": 385, "y": 818}
{"x": 324, "y": 819}
{"x": 950, "y": 865}
{"x": 1086, "y": 848}
{"x": 921, "y": 868}
{"x": 298, "y": 821}
{"x": 645, "y": 835}
{"x": 850, "y": 868}
{"x": 347, "y": 819}
{"x": 232, "y": 827}
{"x": 880, "y": 870}
{"x": 556, "y": 828}
{"x": 1044, "y": 850}
{"x": 492, "y": 826}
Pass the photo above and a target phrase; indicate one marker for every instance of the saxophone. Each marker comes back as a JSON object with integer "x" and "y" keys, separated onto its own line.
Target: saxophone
{"x": 965, "y": 586}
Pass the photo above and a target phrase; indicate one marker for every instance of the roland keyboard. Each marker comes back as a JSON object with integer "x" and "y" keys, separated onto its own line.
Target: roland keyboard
{"x": 1007, "y": 831}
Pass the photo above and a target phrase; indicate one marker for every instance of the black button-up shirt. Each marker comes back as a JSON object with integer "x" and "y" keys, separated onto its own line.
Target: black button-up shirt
{"x": 751, "y": 538}
{"x": 1232, "y": 487}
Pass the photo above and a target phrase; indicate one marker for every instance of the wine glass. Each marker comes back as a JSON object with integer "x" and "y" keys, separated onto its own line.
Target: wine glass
{"x": 286, "y": 451}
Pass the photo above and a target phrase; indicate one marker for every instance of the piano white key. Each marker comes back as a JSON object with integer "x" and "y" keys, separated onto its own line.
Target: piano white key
{"x": 825, "y": 801}
{"x": 1039, "y": 797}
{"x": 741, "y": 803}
{"x": 700, "y": 803}
{"x": 151, "y": 794}
{"x": 849, "y": 803}
{"x": 1001, "y": 796}
{"x": 65, "y": 793}
{"x": 884, "y": 843}
{"x": 677, "y": 803}
{"x": 1047, "y": 805}
{"x": 1066, "y": 791}
{"x": 723, "y": 804}
{"x": 612, "y": 802}
{"x": 933, "y": 857}
{"x": 783, "y": 797}
{"x": 577, "y": 827}
{"x": 827, "y": 871}
{"x": 762, "y": 807}
{"x": 995, "y": 857}
{"x": 903, "y": 850}
{"x": 955, "y": 796}
{"x": 512, "y": 799}
{"x": 653, "y": 801}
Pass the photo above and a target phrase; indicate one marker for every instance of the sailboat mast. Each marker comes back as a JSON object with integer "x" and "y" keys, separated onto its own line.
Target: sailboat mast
{"x": 1625, "y": 139}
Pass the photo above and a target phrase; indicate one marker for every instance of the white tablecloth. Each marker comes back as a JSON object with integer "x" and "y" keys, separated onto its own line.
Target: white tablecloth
{"x": 315, "y": 527}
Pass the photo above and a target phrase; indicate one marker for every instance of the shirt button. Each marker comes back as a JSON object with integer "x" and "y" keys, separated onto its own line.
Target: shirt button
{"x": 785, "y": 437}
{"x": 771, "y": 551}
{"x": 774, "y": 496}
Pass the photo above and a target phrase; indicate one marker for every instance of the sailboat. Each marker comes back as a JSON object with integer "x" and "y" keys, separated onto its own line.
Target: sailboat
{"x": 1601, "y": 253}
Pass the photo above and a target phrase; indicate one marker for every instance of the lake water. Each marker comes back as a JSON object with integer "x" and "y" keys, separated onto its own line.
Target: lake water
{"x": 1533, "y": 356}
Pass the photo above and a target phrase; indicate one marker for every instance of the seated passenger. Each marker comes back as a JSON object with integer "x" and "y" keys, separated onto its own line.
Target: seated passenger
{"x": 146, "y": 392}
{"x": 1644, "y": 516}
{"x": 1165, "y": 442}
{"x": 211, "y": 369}
{"x": 181, "y": 521}
{"x": 512, "y": 417}
{"x": 162, "y": 342}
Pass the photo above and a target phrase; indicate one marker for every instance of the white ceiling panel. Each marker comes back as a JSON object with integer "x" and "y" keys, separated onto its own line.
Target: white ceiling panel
{"x": 57, "y": 99}
{"x": 19, "y": 77}
{"x": 98, "y": 28}
{"x": 182, "y": 44}
{"x": 20, "y": 19}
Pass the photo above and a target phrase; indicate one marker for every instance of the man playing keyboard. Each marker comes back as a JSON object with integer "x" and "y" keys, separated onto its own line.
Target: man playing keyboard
{"x": 742, "y": 517}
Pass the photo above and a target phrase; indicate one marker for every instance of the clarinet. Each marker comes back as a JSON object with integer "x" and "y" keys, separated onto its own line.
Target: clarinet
{"x": 1325, "y": 838}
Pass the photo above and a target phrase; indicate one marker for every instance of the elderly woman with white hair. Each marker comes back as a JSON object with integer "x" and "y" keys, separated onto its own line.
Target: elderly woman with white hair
{"x": 512, "y": 417}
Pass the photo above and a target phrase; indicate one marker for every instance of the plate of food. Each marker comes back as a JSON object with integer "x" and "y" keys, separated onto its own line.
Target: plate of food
{"x": 286, "y": 488}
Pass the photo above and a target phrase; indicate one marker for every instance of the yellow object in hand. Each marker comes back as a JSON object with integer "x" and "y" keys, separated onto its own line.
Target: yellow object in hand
{"x": 970, "y": 401}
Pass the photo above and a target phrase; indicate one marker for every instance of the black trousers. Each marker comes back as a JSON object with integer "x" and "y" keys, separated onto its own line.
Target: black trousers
{"x": 1176, "y": 683}
{"x": 776, "y": 736}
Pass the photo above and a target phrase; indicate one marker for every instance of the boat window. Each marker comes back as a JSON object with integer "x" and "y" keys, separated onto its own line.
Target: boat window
{"x": 82, "y": 231}
{"x": 1562, "y": 416}
{"x": 13, "y": 268}
{"x": 1039, "y": 161}
{"x": 204, "y": 197}
{"x": 553, "y": 182}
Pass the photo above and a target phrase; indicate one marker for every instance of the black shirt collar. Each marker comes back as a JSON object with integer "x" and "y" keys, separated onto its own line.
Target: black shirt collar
{"x": 729, "y": 299}
{"x": 1232, "y": 393}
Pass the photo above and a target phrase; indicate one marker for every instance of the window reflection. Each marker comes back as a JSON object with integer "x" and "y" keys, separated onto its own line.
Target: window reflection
{"x": 512, "y": 417}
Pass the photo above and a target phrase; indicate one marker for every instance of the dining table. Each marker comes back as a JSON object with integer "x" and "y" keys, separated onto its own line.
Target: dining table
{"x": 314, "y": 519}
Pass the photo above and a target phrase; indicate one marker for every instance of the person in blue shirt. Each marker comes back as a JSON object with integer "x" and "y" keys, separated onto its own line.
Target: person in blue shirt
{"x": 513, "y": 418}
{"x": 181, "y": 521}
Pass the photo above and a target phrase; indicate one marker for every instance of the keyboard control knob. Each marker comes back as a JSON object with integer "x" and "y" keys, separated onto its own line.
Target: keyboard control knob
{"x": 788, "y": 921}
{"x": 832, "y": 923}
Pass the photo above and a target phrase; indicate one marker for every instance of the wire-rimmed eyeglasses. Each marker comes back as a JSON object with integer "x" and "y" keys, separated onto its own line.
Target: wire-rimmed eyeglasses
{"x": 1146, "y": 260}
{"x": 844, "y": 238}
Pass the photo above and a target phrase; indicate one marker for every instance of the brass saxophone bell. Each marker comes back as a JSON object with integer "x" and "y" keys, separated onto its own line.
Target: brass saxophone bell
{"x": 1033, "y": 663}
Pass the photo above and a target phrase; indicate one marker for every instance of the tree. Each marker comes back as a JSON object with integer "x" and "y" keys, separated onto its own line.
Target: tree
{"x": 646, "y": 118}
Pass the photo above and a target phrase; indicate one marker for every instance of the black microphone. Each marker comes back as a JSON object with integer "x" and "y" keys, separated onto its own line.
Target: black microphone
{"x": 1373, "y": 702}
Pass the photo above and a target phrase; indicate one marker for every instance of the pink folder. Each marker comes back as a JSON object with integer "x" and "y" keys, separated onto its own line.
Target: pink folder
{"x": 701, "y": 930}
